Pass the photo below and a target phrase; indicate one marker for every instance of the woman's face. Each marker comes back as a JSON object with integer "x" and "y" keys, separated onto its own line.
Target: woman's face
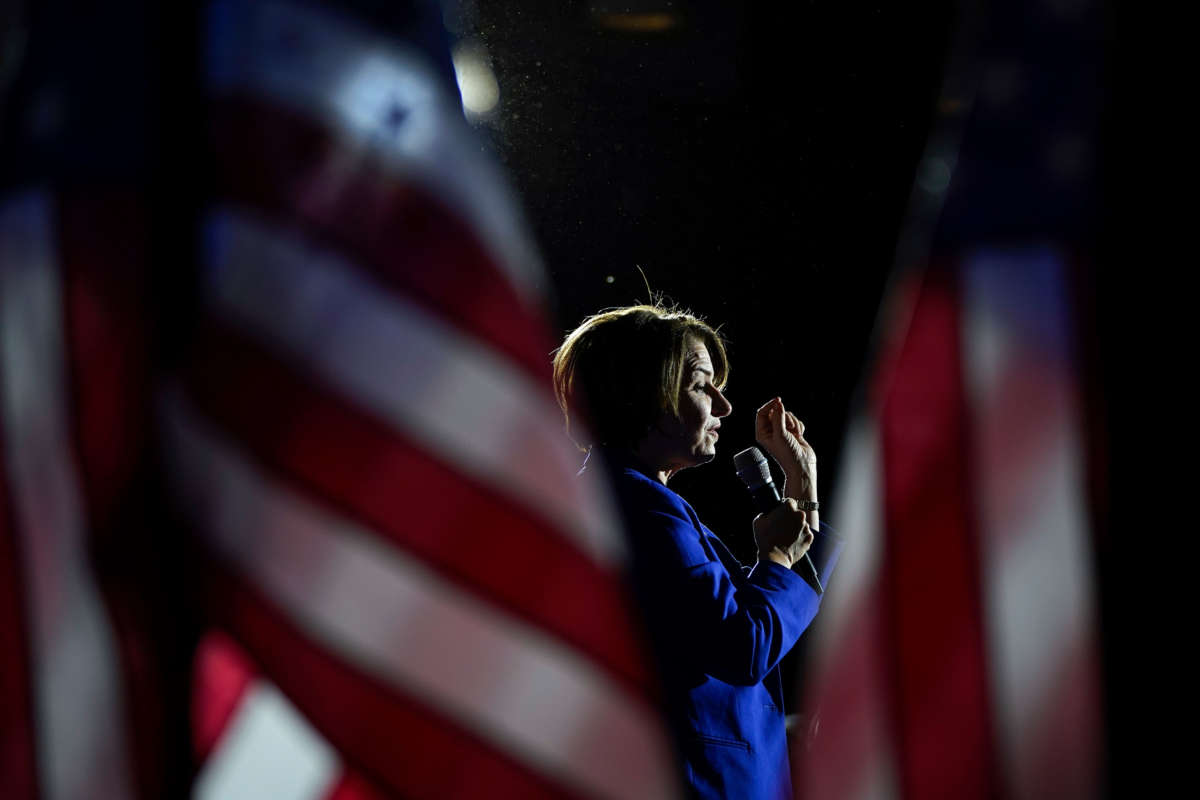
{"x": 692, "y": 438}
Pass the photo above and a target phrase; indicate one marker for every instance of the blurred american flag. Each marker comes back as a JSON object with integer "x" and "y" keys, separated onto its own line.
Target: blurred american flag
{"x": 401, "y": 586}
{"x": 959, "y": 654}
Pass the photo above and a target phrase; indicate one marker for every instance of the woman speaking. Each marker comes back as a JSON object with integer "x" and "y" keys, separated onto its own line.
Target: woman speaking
{"x": 649, "y": 382}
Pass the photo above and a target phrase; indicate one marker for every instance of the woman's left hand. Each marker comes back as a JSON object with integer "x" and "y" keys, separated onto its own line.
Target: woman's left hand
{"x": 782, "y": 435}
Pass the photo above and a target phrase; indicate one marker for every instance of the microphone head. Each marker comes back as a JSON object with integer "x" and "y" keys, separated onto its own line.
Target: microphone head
{"x": 752, "y": 468}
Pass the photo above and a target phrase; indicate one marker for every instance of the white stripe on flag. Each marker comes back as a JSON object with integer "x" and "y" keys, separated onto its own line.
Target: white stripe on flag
{"x": 358, "y": 84}
{"x": 451, "y": 394}
{"x": 861, "y": 758}
{"x": 268, "y": 750}
{"x": 859, "y": 504}
{"x": 81, "y": 724}
{"x": 394, "y": 618}
{"x": 1036, "y": 555}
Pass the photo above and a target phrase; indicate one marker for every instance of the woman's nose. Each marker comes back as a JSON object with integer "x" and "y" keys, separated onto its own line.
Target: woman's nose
{"x": 722, "y": 407}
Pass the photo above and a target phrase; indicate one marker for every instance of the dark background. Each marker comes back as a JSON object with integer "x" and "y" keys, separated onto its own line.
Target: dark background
{"x": 754, "y": 161}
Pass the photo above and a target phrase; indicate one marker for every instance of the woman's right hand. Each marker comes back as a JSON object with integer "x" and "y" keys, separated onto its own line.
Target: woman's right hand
{"x": 783, "y": 534}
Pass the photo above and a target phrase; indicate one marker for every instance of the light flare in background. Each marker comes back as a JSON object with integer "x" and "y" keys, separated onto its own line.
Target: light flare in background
{"x": 636, "y": 16}
{"x": 476, "y": 81}
{"x": 651, "y": 22}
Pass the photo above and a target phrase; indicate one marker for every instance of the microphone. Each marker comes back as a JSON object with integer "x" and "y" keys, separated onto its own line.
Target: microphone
{"x": 752, "y": 468}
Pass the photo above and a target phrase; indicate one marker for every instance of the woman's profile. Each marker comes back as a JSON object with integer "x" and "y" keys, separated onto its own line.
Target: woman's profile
{"x": 649, "y": 381}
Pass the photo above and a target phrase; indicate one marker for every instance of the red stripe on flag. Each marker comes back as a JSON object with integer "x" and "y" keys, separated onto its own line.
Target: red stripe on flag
{"x": 221, "y": 676}
{"x": 103, "y": 242}
{"x": 410, "y": 748}
{"x": 844, "y": 748}
{"x": 931, "y": 568}
{"x": 224, "y": 674}
{"x": 352, "y": 786}
{"x": 352, "y": 461}
{"x": 289, "y": 167}
{"x": 18, "y": 751}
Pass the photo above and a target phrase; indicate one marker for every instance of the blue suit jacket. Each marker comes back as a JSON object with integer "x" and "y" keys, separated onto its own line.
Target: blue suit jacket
{"x": 719, "y": 631}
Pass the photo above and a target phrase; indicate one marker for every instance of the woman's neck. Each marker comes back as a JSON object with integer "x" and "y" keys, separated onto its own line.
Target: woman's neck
{"x": 644, "y": 460}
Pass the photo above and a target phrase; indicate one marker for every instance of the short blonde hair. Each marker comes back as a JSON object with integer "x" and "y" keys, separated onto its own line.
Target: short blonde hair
{"x": 626, "y": 367}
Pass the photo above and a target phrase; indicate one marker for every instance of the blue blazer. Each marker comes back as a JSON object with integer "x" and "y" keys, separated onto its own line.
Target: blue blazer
{"x": 719, "y": 631}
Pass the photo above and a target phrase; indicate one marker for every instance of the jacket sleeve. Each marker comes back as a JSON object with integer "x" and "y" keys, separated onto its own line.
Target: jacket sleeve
{"x": 700, "y": 618}
{"x": 825, "y": 551}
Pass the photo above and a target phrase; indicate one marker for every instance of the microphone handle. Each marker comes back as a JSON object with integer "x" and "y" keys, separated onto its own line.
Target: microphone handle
{"x": 766, "y": 497}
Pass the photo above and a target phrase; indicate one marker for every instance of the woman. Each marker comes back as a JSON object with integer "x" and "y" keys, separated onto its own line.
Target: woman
{"x": 650, "y": 380}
